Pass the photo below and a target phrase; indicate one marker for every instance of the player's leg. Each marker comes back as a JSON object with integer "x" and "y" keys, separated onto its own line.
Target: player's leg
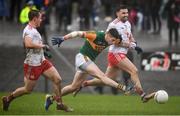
{"x": 52, "y": 74}
{"x": 93, "y": 70}
{"x": 30, "y": 78}
{"x": 78, "y": 79}
{"x": 111, "y": 72}
{"x": 27, "y": 88}
{"x": 126, "y": 65}
{"x": 101, "y": 78}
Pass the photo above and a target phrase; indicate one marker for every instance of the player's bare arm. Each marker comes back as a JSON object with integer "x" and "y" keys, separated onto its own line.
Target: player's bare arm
{"x": 29, "y": 43}
{"x": 74, "y": 34}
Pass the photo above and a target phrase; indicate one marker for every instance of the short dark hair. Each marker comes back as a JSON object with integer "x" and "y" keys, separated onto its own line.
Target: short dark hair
{"x": 32, "y": 14}
{"x": 114, "y": 33}
{"x": 122, "y": 6}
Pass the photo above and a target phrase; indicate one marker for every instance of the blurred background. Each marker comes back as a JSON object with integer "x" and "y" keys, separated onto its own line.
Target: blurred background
{"x": 155, "y": 25}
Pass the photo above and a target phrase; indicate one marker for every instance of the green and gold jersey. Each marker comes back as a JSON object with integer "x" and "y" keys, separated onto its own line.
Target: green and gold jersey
{"x": 94, "y": 44}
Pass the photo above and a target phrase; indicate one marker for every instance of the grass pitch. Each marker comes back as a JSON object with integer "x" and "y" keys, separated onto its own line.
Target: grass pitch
{"x": 88, "y": 104}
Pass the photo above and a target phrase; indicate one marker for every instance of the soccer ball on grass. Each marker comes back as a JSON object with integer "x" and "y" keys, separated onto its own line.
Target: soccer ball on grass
{"x": 161, "y": 96}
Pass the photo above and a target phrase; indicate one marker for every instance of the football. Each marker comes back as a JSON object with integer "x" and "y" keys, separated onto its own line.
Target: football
{"x": 161, "y": 96}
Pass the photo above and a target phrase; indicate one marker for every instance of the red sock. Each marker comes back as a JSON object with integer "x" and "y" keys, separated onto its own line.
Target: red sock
{"x": 10, "y": 97}
{"x": 139, "y": 91}
{"x": 85, "y": 83}
{"x": 57, "y": 99}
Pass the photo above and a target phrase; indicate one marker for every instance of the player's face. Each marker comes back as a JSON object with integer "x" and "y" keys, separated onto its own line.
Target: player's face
{"x": 111, "y": 40}
{"x": 122, "y": 14}
{"x": 38, "y": 20}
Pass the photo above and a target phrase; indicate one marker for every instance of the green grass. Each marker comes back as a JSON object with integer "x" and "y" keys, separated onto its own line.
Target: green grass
{"x": 88, "y": 104}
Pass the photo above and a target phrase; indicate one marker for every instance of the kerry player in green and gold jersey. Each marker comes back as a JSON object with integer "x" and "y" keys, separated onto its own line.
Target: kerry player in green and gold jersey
{"x": 95, "y": 42}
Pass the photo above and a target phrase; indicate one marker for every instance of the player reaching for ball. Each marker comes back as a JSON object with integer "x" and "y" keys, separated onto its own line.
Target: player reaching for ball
{"x": 117, "y": 59}
{"x": 96, "y": 41}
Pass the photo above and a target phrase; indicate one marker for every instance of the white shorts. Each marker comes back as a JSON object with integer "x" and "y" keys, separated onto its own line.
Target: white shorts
{"x": 81, "y": 62}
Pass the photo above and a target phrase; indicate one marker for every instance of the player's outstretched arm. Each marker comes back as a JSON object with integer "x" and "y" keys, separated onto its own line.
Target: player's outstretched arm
{"x": 60, "y": 39}
{"x": 74, "y": 34}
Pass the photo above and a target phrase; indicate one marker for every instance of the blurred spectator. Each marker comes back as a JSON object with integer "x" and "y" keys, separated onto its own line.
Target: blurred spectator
{"x": 85, "y": 9}
{"x": 24, "y": 12}
{"x": 64, "y": 14}
{"x": 133, "y": 16}
{"x": 155, "y": 16}
{"x": 48, "y": 9}
{"x": 39, "y": 3}
{"x": 3, "y": 9}
{"x": 108, "y": 10}
{"x": 140, "y": 18}
{"x": 95, "y": 11}
{"x": 110, "y": 6}
{"x": 42, "y": 28}
{"x": 173, "y": 19}
{"x": 15, "y": 9}
{"x": 138, "y": 6}
{"x": 145, "y": 5}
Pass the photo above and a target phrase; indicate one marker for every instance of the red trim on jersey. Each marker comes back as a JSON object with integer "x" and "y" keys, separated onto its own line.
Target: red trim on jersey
{"x": 30, "y": 26}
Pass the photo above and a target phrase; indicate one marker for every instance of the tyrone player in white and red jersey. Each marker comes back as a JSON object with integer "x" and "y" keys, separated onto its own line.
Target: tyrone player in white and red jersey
{"x": 35, "y": 64}
{"x": 117, "y": 59}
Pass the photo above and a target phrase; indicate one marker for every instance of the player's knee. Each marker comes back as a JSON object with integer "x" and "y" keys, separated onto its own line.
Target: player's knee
{"x": 57, "y": 80}
{"x": 28, "y": 90}
{"x": 134, "y": 71}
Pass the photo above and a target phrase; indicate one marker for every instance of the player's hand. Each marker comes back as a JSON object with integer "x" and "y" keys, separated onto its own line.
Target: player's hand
{"x": 57, "y": 40}
{"x": 46, "y": 47}
{"x": 138, "y": 50}
{"x": 47, "y": 54}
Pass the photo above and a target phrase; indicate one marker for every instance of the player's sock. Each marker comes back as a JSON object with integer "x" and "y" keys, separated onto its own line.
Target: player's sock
{"x": 139, "y": 91}
{"x": 85, "y": 84}
{"x": 121, "y": 87}
{"x": 10, "y": 97}
{"x": 144, "y": 97}
{"x": 58, "y": 99}
{"x": 126, "y": 89}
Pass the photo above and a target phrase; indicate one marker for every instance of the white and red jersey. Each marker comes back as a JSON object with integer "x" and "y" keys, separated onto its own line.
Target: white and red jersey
{"x": 124, "y": 29}
{"x": 34, "y": 57}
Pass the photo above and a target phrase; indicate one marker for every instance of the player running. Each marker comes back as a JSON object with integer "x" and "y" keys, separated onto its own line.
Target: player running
{"x": 93, "y": 46}
{"x": 117, "y": 59}
{"x": 35, "y": 64}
